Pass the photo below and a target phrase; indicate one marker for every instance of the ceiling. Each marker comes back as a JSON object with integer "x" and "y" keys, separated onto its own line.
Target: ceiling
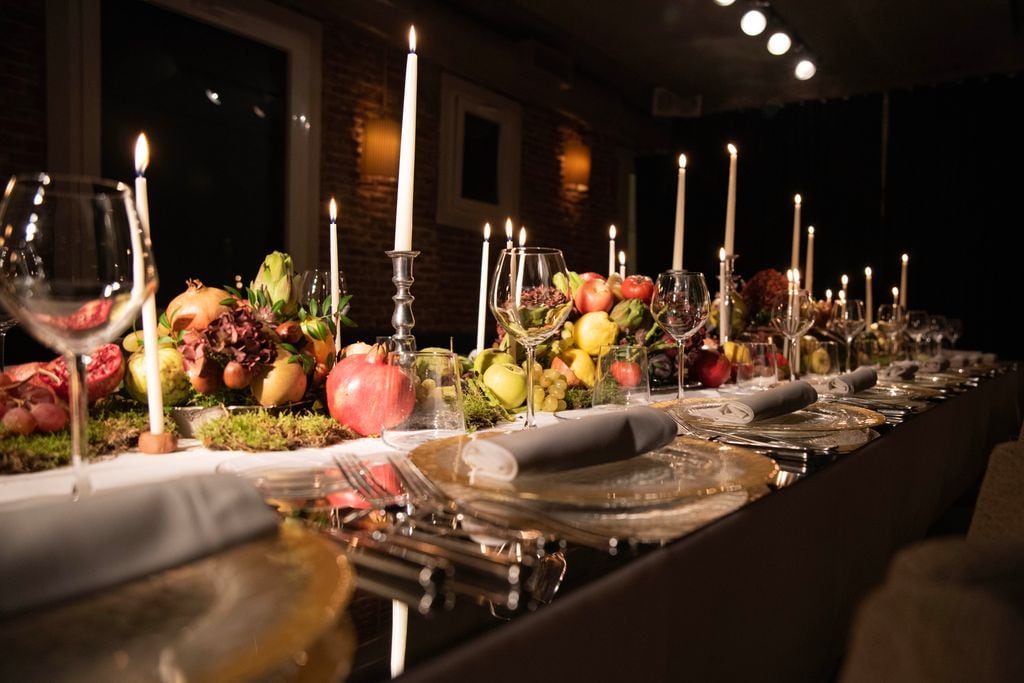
{"x": 695, "y": 50}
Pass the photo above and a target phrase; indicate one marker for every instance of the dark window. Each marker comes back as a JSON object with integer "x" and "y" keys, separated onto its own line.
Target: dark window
{"x": 480, "y": 159}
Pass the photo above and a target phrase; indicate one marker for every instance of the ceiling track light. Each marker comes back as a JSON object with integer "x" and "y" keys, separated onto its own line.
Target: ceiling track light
{"x": 757, "y": 18}
{"x": 753, "y": 22}
{"x": 779, "y": 43}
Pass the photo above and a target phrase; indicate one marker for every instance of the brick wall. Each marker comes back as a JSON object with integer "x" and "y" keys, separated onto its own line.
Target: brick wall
{"x": 22, "y": 86}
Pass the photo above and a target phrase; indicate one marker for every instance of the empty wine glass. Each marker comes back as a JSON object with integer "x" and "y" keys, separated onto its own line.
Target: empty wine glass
{"x": 892, "y": 321}
{"x": 847, "y": 321}
{"x": 954, "y": 330}
{"x": 793, "y": 318}
{"x": 917, "y": 327}
{"x": 937, "y": 330}
{"x": 6, "y": 323}
{"x": 680, "y": 305}
{"x": 527, "y": 301}
{"x": 75, "y": 268}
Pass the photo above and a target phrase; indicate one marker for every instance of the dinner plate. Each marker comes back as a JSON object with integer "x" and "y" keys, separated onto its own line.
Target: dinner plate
{"x": 683, "y": 469}
{"x": 894, "y": 392}
{"x": 816, "y": 418}
{"x": 249, "y": 612}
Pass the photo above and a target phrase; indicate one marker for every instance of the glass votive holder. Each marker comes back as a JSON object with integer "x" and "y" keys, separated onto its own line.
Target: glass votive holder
{"x": 759, "y": 371}
{"x": 623, "y": 377}
{"x": 316, "y": 286}
{"x": 424, "y": 392}
{"x": 823, "y": 361}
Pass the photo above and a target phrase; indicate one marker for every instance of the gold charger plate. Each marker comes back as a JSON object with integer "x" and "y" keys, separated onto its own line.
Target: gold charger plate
{"x": 816, "y": 418}
{"x": 894, "y": 392}
{"x": 685, "y": 468}
{"x": 249, "y": 612}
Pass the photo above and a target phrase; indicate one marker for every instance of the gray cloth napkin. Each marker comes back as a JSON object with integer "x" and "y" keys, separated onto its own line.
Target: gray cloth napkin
{"x": 50, "y": 552}
{"x": 937, "y": 364}
{"x": 860, "y": 379}
{"x": 567, "y": 445}
{"x": 901, "y": 369}
{"x": 783, "y": 399}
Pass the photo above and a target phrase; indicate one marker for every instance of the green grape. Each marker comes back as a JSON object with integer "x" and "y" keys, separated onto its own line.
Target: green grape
{"x": 538, "y": 396}
{"x": 559, "y": 394}
{"x": 561, "y": 384}
{"x": 550, "y": 404}
{"x": 545, "y": 381}
{"x": 552, "y": 375}
{"x": 561, "y": 405}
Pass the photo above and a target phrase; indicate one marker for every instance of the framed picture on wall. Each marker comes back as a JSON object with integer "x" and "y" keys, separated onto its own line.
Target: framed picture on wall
{"x": 481, "y": 136}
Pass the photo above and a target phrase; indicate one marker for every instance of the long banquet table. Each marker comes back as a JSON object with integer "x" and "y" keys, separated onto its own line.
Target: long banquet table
{"x": 765, "y": 593}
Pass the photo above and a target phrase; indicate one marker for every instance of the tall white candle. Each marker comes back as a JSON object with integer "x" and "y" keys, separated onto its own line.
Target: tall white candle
{"x": 611, "y": 249}
{"x": 150, "y": 336}
{"x": 407, "y": 158}
{"x": 724, "y": 321}
{"x": 522, "y": 265}
{"x": 845, "y": 281}
{"x": 677, "y": 244}
{"x": 335, "y": 273}
{"x": 622, "y": 265}
{"x": 730, "y": 202}
{"x": 809, "y": 269}
{"x": 482, "y": 309}
{"x": 794, "y": 261}
{"x": 868, "y": 296}
{"x": 903, "y": 281}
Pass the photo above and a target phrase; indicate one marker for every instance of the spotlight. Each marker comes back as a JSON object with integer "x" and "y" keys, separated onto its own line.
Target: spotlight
{"x": 724, "y": 3}
{"x": 213, "y": 96}
{"x": 805, "y": 69}
{"x": 779, "y": 43}
{"x": 753, "y": 22}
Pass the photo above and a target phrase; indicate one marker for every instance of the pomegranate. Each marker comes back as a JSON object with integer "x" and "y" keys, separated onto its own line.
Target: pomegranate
{"x": 204, "y": 374}
{"x": 236, "y": 376}
{"x": 103, "y": 374}
{"x": 194, "y": 308}
{"x": 367, "y": 395}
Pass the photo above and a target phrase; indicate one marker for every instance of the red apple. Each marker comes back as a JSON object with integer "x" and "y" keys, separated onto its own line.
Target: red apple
{"x": 594, "y": 295}
{"x": 638, "y": 287}
{"x": 712, "y": 368}
{"x": 591, "y": 276}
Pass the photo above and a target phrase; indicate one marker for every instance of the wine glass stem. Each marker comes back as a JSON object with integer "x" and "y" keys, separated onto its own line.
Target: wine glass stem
{"x": 79, "y": 423}
{"x": 793, "y": 357}
{"x": 530, "y": 421}
{"x": 849, "y": 354}
{"x": 681, "y": 362}
{"x": 3, "y": 342}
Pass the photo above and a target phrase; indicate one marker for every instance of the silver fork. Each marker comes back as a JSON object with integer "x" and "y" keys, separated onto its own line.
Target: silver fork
{"x": 496, "y": 514}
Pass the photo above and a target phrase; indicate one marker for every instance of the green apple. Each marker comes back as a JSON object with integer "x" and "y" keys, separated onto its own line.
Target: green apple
{"x": 489, "y": 357}
{"x": 507, "y": 381}
{"x": 819, "y": 362}
{"x": 174, "y": 383}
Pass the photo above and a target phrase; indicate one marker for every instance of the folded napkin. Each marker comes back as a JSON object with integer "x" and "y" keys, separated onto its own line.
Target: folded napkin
{"x": 50, "y": 552}
{"x": 901, "y": 369}
{"x": 785, "y": 398}
{"x": 936, "y": 364}
{"x": 860, "y": 379}
{"x": 957, "y": 362}
{"x": 567, "y": 445}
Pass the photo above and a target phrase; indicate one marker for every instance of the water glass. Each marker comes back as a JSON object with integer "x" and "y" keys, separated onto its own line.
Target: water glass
{"x": 424, "y": 393}
{"x": 822, "y": 362}
{"x": 622, "y": 376}
{"x": 758, "y": 368}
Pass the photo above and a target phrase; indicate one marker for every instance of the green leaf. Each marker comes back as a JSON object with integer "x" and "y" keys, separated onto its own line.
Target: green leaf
{"x": 288, "y": 347}
{"x": 162, "y": 320}
{"x": 347, "y": 321}
{"x": 314, "y": 307}
{"x": 231, "y": 290}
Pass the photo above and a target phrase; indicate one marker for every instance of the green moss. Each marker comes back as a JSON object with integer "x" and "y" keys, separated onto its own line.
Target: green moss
{"x": 261, "y": 431}
{"x": 578, "y": 397}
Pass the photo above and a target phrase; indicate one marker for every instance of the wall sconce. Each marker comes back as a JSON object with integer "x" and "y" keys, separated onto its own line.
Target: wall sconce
{"x": 380, "y": 148}
{"x": 576, "y": 166}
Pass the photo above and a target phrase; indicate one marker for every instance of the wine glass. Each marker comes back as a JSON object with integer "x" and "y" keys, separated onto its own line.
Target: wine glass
{"x": 528, "y": 302}
{"x": 892, "y": 321}
{"x": 937, "y": 329}
{"x": 6, "y": 323}
{"x": 680, "y": 305}
{"x": 954, "y": 330}
{"x": 917, "y": 327}
{"x": 847, "y": 321}
{"x": 793, "y": 318}
{"x": 75, "y": 268}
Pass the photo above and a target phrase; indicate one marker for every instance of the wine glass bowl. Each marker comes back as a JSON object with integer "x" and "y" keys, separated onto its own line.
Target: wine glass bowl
{"x": 892, "y": 322}
{"x": 793, "y": 318}
{"x": 75, "y": 268}
{"x": 680, "y": 305}
{"x": 848, "y": 321}
{"x": 528, "y": 302}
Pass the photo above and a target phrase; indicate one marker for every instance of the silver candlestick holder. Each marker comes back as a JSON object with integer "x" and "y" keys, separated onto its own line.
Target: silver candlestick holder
{"x": 402, "y": 319}
{"x": 727, "y": 287}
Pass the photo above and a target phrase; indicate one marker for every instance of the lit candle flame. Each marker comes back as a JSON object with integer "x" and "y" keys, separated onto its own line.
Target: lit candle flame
{"x": 721, "y": 254}
{"x": 828, "y": 294}
{"x": 141, "y": 154}
{"x": 789, "y": 276}
{"x": 797, "y": 199}
{"x": 612, "y": 232}
{"x": 333, "y": 210}
{"x": 487, "y": 231}
{"x": 905, "y": 259}
{"x": 622, "y": 258}
{"x": 731, "y": 148}
{"x": 845, "y": 280}
{"x": 867, "y": 272}
{"x": 810, "y": 229}
{"x": 895, "y": 293}
{"x": 682, "y": 161}
{"x": 412, "y": 39}
{"x": 522, "y": 236}
{"x": 508, "y": 229}
{"x": 796, "y": 276}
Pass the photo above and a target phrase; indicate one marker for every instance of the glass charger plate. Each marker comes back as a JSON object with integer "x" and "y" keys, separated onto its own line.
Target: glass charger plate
{"x": 241, "y": 614}
{"x": 814, "y": 419}
{"x": 685, "y": 468}
{"x": 895, "y": 392}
